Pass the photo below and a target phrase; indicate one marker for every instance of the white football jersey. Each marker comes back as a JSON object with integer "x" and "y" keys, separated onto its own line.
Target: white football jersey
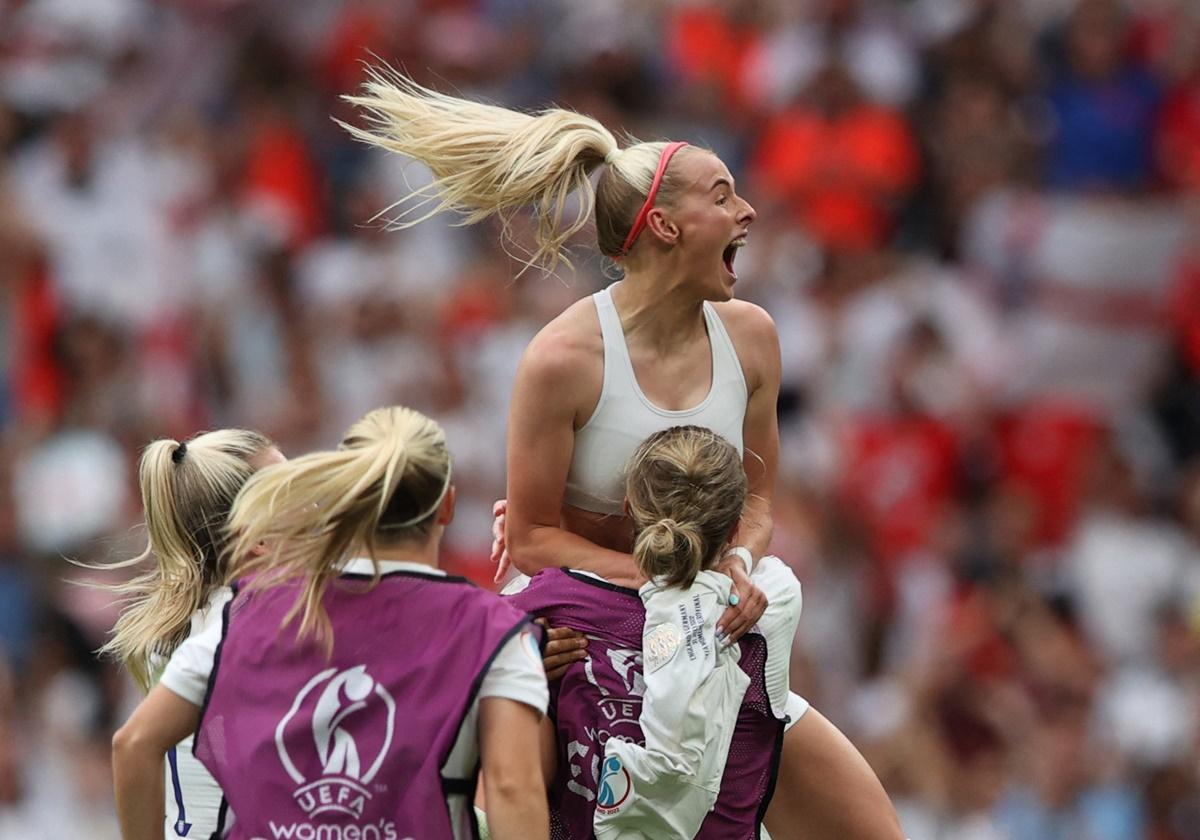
{"x": 194, "y": 802}
{"x": 694, "y": 690}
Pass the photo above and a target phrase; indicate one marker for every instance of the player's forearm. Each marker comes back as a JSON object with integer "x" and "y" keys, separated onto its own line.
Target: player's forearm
{"x": 138, "y": 783}
{"x": 756, "y": 526}
{"x": 516, "y": 812}
{"x": 544, "y": 547}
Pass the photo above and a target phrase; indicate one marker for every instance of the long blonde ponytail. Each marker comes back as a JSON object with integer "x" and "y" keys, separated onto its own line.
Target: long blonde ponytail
{"x": 384, "y": 483}
{"x": 187, "y": 491}
{"x": 493, "y": 161}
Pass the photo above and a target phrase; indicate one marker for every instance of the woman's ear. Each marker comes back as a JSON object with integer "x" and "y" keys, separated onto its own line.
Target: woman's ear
{"x": 445, "y": 513}
{"x": 659, "y": 224}
{"x": 628, "y": 510}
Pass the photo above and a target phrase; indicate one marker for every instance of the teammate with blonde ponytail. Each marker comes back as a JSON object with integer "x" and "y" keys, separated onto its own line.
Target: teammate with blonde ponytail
{"x": 352, "y": 688}
{"x": 666, "y": 345}
{"x": 187, "y": 489}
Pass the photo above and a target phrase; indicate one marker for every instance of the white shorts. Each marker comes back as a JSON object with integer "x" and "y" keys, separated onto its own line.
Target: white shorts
{"x": 796, "y": 707}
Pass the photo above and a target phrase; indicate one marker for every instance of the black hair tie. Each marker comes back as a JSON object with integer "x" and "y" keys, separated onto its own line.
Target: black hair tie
{"x": 179, "y": 452}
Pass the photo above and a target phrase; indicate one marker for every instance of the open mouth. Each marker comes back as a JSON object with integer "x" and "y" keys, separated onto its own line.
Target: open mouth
{"x": 730, "y": 252}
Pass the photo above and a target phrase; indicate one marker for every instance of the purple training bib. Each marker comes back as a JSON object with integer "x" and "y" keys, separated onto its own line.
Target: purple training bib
{"x": 601, "y": 698}
{"x": 356, "y": 746}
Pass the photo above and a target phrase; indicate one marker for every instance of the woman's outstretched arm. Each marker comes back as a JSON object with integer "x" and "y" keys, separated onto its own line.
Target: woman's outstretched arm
{"x": 512, "y": 770}
{"x": 757, "y": 341}
{"x": 159, "y": 722}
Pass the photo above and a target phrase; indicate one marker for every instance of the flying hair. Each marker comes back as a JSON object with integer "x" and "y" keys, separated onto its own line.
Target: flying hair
{"x": 492, "y": 161}
{"x": 187, "y": 490}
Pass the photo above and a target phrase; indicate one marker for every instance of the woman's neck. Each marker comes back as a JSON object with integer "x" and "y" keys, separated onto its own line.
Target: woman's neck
{"x": 426, "y": 555}
{"x": 661, "y": 314}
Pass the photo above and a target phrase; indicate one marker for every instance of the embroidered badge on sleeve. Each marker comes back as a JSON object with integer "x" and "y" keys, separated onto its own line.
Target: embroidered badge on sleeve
{"x": 660, "y": 645}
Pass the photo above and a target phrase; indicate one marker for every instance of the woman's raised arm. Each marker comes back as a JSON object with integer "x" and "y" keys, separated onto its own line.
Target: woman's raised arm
{"x": 548, "y": 396}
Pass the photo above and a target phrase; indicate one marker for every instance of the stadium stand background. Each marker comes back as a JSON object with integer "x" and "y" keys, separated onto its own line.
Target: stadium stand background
{"x": 978, "y": 233}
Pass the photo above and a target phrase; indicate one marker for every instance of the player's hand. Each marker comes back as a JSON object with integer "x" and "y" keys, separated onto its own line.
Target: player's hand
{"x": 563, "y": 646}
{"x": 499, "y": 544}
{"x": 739, "y": 618}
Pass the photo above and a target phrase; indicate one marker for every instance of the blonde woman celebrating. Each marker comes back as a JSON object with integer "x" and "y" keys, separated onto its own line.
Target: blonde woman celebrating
{"x": 667, "y": 345}
{"x": 353, "y": 689}
{"x": 187, "y": 489}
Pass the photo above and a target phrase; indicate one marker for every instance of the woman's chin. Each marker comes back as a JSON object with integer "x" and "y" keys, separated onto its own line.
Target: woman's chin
{"x": 728, "y": 281}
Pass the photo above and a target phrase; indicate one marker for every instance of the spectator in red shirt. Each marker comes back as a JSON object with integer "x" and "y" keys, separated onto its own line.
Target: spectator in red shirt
{"x": 1178, "y": 131}
{"x": 710, "y": 46}
{"x": 902, "y": 466}
{"x": 839, "y": 162}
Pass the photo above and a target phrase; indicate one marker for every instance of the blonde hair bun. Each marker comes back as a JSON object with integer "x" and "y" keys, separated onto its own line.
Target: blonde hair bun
{"x": 686, "y": 489}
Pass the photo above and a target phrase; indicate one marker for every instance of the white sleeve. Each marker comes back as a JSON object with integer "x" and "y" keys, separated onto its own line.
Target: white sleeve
{"x": 694, "y": 690}
{"x": 778, "y": 626}
{"x": 190, "y": 665}
{"x": 519, "y": 583}
{"x": 517, "y": 673}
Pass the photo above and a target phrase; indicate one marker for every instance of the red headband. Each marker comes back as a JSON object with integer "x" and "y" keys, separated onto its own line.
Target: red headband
{"x": 640, "y": 221}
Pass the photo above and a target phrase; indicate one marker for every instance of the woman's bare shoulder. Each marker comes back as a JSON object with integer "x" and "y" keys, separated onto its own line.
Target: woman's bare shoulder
{"x": 573, "y": 337}
{"x": 750, "y": 327}
{"x": 566, "y": 357}
{"x": 744, "y": 315}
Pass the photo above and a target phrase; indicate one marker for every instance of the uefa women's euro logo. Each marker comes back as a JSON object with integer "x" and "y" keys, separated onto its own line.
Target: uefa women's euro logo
{"x": 338, "y": 729}
{"x": 615, "y": 786}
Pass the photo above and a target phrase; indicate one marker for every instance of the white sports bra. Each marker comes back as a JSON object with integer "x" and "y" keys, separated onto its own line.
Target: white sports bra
{"x": 624, "y": 416}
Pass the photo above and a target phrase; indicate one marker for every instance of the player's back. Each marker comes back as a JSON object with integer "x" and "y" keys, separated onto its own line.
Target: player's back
{"x": 601, "y": 698}
{"x": 378, "y": 737}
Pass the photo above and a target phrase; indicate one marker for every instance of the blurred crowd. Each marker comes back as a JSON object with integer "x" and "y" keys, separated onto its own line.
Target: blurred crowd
{"x": 977, "y": 232}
